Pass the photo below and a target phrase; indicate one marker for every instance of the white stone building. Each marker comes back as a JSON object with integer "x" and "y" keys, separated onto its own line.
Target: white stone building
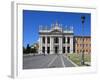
{"x": 55, "y": 40}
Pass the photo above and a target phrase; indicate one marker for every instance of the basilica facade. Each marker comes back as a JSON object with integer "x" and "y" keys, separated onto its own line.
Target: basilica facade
{"x": 56, "y": 39}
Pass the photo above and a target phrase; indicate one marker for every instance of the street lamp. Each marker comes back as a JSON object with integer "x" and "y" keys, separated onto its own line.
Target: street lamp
{"x": 82, "y": 57}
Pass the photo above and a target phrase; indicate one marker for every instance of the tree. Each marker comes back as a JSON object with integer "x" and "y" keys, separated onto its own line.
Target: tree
{"x": 34, "y": 50}
{"x": 24, "y": 50}
{"x": 28, "y": 49}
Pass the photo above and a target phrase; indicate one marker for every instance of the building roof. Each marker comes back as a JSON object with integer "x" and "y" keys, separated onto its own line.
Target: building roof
{"x": 82, "y": 36}
{"x": 55, "y": 28}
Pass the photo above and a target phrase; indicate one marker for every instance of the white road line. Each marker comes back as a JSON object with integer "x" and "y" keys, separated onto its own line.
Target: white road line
{"x": 71, "y": 61}
{"x": 62, "y": 61}
{"x": 42, "y": 64}
{"x": 52, "y": 61}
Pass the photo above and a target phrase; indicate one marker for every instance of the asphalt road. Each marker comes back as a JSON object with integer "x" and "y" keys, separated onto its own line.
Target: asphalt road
{"x": 48, "y": 61}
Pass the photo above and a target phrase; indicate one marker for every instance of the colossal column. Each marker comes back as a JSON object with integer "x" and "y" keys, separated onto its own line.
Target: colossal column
{"x": 51, "y": 45}
{"x": 45, "y": 44}
{"x": 40, "y": 45}
{"x": 60, "y": 45}
{"x": 71, "y": 44}
{"x": 66, "y": 44}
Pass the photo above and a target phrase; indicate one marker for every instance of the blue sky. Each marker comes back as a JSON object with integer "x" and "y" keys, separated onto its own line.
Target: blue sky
{"x": 32, "y": 19}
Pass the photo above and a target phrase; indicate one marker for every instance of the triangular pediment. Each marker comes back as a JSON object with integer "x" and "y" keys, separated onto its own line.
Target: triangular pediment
{"x": 56, "y": 31}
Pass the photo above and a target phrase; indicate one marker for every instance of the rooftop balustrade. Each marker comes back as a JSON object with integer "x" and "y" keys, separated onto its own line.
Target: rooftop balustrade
{"x": 56, "y": 27}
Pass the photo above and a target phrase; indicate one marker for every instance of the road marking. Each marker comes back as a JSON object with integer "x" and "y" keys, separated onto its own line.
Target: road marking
{"x": 63, "y": 64}
{"x": 42, "y": 64}
{"x": 52, "y": 61}
{"x": 71, "y": 61}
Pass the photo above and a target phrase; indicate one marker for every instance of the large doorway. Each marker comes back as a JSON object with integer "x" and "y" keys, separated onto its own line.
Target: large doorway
{"x": 64, "y": 50}
{"x": 48, "y": 50}
{"x": 68, "y": 49}
{"x": 56, "y": 49}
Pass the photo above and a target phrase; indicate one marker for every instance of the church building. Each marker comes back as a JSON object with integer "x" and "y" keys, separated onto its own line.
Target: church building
{"x": 56, "y": 39}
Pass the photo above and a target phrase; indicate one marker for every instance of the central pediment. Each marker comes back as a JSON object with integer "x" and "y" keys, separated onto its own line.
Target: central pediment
{"x": 56, "y": 31}
{"x": 56, "y": 28}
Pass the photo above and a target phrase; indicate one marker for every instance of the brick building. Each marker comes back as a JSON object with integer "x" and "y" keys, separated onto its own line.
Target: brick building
{"x": 82, "y": 43}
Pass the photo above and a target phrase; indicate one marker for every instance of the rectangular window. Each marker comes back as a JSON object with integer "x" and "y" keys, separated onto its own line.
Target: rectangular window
{"x": 63, "y": 49}
{"x": 43, "y": 49}
{"x": 48, "y": 50}
{"x": 68, "y": 40}
{"x": 56, "y": 40}
{"x": 48, "y": 39}
{"x": 43, "y": 40}
{"x": 64, "y": 39}
{"x": 68, "y": 49}
{"x": 77, "y": 51}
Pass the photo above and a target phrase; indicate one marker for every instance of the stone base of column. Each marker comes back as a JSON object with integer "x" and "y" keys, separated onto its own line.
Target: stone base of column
{"x": 60, "y": 52}
{"x": 51, "y": 52}
{"x": 71, "y": 51}
{"x": 46, "y": 52}
{"x": 40, "y": 52}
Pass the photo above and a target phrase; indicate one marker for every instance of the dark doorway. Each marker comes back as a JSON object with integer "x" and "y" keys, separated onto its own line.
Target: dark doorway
{"x": 56, "y": 49}
{"x": 68, "y": 40}
{"x": 68, "y": 49}
{"x": 48, "y": 50}
{"x": 43, "y": 49}
{"x": 43, "y": 40}
{"x": 64, "y": 50}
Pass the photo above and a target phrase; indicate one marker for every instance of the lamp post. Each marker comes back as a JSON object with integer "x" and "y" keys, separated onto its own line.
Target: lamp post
{"x": 82, "y": 57}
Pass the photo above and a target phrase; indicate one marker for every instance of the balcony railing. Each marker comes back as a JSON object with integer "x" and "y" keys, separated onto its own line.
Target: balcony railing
{"x": 49, "y": 29}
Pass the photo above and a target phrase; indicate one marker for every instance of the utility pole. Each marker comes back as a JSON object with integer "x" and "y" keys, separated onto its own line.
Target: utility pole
{"x": 82, "y": 56}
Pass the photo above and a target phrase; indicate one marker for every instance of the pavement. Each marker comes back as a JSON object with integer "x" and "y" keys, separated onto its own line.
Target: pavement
{"x": 47, "y": 61}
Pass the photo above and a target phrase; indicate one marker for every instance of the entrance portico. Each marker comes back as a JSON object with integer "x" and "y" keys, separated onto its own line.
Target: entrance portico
{"x": 55, "y": 40}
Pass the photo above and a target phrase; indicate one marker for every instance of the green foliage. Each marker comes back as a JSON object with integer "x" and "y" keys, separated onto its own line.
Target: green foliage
{"x": 34, "y": 50}
{"x": 28, "y": 49}
{"x": 76, "y": 58}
